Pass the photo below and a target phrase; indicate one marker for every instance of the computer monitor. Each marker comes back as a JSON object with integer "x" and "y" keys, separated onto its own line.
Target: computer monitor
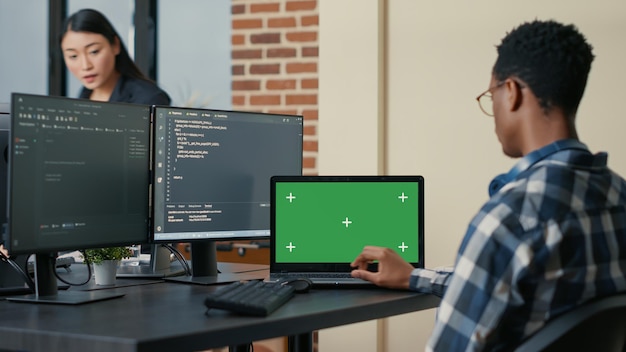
{"x": 11, "y": 282}
{"x": 212, "y": 172}
{"x": 79, "y": 178}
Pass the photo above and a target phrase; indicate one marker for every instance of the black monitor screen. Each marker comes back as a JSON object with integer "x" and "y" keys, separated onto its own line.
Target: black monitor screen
{"x": 79, "y": 174}
{"x": 212, "y": 171}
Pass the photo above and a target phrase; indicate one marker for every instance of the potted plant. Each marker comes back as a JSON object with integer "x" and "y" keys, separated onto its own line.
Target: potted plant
{"x": 105, "y": 262}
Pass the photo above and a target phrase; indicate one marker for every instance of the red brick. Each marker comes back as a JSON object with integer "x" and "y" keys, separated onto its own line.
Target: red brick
{"x": 265, "y": 100}
{"x": 308, "y": 163}
{"x": 272, "y": 7}
{"x": 297, "y": 67}
{"x": 281, "y": 22}
{"x": 237, "y": 39}
{"x": 311, "y": 51}
{"x": 265, "y": 69}
{"x": 247, "y": 54}
{"x": 309, "y": 130}
{"x": 274, "y": 84}
{"x": 238, "y": 100}
{"x": 310, "y": 114}
{"x": 246, "y": 85}
{"x": 288, "y": 43}
{"x": 309, "y": 146}
{"x": 238, "y": 9}
{"x": 306, "y": 21}
{"x": 245, "y": 24}
{"x": 301, "y": 5}
{"x": 309, "y": 83}
{"x": 283, "y": 112}
{"x": 265, "y": 38}
{"x": 302, "y": 36}
{"x": 301, "y": 99}
{"x": 282, "y": 52}
{"x": 238, "y": 70}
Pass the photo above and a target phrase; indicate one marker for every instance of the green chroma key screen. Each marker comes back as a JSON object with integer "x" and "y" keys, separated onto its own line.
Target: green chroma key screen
{"x": 331, "y": 222}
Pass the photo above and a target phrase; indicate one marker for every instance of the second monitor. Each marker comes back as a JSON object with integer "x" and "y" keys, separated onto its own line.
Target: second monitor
{"x": 211, "y": 177}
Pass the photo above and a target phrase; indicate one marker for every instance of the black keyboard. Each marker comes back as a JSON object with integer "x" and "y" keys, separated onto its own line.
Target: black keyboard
{"x": 250, "y": 298}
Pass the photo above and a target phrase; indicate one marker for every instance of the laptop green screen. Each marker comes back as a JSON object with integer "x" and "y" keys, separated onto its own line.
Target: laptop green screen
{"x": 331, "y": 222}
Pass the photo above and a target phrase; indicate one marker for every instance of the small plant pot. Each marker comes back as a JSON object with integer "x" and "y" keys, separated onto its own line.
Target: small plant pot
{"x": 105, "y": 272}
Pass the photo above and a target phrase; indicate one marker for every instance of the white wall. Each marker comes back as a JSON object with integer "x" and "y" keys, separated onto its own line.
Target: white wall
{"x": 438, "y": 58}
{"x": 194, "y": 49}
{"x": 353, "y": 92}
{"x": 23, "y": 48}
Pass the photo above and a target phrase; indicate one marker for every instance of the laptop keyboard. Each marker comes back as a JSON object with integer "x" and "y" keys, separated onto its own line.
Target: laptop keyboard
{"x": 250, "y": 298}
{"x": 320, "y": 275}
{"x": 321, "y": 279}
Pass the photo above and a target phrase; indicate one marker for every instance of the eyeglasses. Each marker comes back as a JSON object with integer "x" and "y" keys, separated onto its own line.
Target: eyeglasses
{"x": 485, "y": 99}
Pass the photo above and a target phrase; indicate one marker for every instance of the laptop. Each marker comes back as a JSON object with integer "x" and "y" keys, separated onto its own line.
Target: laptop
{"x": 319, "y": 224}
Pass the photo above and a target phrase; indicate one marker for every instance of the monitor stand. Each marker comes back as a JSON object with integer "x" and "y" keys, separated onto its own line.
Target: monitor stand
{"x": 11, "y": 282}
{"x": 205, "y": 269}
{"x": 46, "y": 289}
{"x": 158, "y": 267}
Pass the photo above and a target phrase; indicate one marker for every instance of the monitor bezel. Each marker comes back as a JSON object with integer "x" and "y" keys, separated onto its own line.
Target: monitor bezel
{"x": 5, "y": 128}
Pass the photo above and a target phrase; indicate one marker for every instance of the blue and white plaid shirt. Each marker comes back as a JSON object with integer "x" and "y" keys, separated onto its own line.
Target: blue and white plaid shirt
{"x": 546, "y": 242}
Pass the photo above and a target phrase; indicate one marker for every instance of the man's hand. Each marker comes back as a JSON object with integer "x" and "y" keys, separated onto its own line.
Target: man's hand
{"x": 393, "y": 271}
{"x": 4, "y": 251}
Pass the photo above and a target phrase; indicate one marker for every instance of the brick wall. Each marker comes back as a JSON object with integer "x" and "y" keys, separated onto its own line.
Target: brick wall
{"x": 274, "y": 63}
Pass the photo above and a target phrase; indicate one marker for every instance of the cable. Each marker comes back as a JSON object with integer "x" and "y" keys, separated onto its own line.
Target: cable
{"x": 20, "y": 271}
{"x": 179, "y": 256}
{"x": 75, "y": 284}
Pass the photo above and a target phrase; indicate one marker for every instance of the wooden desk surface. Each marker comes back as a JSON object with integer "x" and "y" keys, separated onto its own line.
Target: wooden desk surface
{"x": 172, "y": 317}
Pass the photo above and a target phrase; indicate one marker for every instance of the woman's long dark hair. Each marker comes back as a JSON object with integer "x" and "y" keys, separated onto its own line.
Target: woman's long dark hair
{"x": 89, "y": 20}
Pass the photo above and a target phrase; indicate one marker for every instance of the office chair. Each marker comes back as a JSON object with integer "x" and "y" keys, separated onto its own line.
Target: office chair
{"x": 598, "y": 325}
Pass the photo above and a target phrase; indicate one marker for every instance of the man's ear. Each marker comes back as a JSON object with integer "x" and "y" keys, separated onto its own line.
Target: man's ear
{"x": 514, "y": 94}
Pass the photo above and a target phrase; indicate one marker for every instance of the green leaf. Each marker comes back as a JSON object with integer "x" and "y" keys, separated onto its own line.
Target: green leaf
{"x": 98, "y": 255}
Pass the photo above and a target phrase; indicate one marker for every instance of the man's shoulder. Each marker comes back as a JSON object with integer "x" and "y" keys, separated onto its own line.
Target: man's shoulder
{"x": 553, "y": 191}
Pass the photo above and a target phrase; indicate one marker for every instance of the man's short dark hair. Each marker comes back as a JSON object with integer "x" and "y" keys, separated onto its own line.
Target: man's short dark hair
{"x": 552, "y": 58}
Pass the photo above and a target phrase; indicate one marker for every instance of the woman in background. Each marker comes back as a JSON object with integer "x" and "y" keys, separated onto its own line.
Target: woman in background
{"x": 94, "y": 53}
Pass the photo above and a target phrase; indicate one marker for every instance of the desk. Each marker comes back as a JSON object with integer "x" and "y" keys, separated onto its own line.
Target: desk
{"x": 171, "y": 317}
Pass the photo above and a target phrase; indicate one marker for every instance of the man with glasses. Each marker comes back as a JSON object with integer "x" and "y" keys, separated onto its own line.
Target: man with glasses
{"x": 553, "y": 233}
